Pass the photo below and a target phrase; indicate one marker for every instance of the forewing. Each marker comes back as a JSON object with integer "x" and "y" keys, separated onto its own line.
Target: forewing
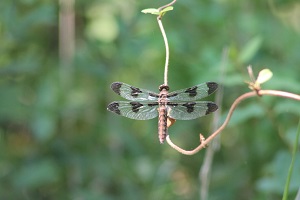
{"x": 190, "y": 110}
{"x": 134, "y": 110}
{"x": 133, "y": 93}
{"x": 193, "y": 93}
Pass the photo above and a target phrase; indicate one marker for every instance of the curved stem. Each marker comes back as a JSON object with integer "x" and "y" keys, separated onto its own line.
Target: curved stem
{"x": 203, "y": 144}
{"x": 165, "y": 40}
{"x": 280, "y": 94}
{"x": 167, "y": 49}
{"x": 167, "y": 5}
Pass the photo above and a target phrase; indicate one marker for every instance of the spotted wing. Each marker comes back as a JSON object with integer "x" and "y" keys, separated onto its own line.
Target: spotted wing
{"x": 134, "y": 110}
{"x": 190, "y": 110}
{"x": 193, "y": 93}
{"x": 133, "y": 93}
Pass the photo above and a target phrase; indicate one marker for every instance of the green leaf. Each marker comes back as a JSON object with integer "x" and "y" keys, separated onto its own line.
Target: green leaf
{"x": 167, "y": 9}
{"x": 263, "y": 76}
{"x": 152, "y": 11}
{"x": 155, "y": 11}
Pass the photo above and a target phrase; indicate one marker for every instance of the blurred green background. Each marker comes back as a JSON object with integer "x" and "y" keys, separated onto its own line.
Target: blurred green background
{"x": 57, "y": 61}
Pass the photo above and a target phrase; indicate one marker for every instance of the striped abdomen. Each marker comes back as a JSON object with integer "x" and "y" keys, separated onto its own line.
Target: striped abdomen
{"x": 162, "y": 123}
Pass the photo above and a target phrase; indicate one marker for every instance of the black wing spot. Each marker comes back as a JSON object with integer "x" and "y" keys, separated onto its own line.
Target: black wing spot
{"x": 172, "y": 104}
{"x": 190, "y": 106}
{"x": 135, "y": 91}
{"x": 192, "y": 91}
{"x": 211, "y": 107}
{"x": 212, "y": 86}
{"x": 116, "y": 87}
{"x": 153, "y": 95}
{"x": 135, "y": 106}
{"x": 114, "y": 107}
{"x": 152, "y": 104}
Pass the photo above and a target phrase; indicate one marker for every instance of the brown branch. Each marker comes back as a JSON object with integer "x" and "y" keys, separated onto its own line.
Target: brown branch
{"x": 205, "y": 170}
{"x": 233, "y": 106}
{"x": 167, "y": 5}
{"x": 280, "y": 94}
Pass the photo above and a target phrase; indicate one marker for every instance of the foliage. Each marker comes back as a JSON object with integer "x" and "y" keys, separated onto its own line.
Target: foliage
{"x": 57, "y": 141}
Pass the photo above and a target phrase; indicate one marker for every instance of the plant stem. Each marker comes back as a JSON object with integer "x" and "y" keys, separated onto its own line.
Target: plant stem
{"x": 232, "y": 108}
{"x": 165, "y": 40}
{"x": 288, "y": 180}
{"x": 205, "y": 170}
{"x": 167, "y": 5}
{"x": 167, "y": 49}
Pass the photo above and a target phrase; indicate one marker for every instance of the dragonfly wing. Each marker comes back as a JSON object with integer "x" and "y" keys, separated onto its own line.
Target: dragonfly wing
{"x": 190, "y": 110}
{"x": 134, "y": 110}
{"x": 133, "y": 93}
{"x": 193, "y": 93}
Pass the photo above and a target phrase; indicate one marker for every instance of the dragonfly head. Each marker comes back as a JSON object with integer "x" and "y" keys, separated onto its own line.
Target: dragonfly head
{"x": 163, "y": 86}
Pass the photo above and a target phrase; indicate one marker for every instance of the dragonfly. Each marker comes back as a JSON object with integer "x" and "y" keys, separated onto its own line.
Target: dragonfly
{"x": 178, "y": 105}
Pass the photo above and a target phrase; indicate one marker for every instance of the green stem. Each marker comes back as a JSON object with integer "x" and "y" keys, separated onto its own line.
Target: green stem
{"x": 288, "y": 180}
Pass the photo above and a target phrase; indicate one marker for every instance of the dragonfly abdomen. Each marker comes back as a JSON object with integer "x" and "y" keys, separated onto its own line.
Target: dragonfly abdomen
{"x": 162, "y": 123}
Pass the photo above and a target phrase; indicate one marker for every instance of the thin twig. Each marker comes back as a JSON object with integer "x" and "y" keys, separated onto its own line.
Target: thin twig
{"x": 290, "y": 172}
{"x": 233, "y": 106}
{"x": 205, "y": 170}
{"x": 167, "y": 5}
{"x": 167, "y": 50}
{"x": 280, "y": 94}
{"x": 165, "y": 40}
{"x": 67, "y": 27}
